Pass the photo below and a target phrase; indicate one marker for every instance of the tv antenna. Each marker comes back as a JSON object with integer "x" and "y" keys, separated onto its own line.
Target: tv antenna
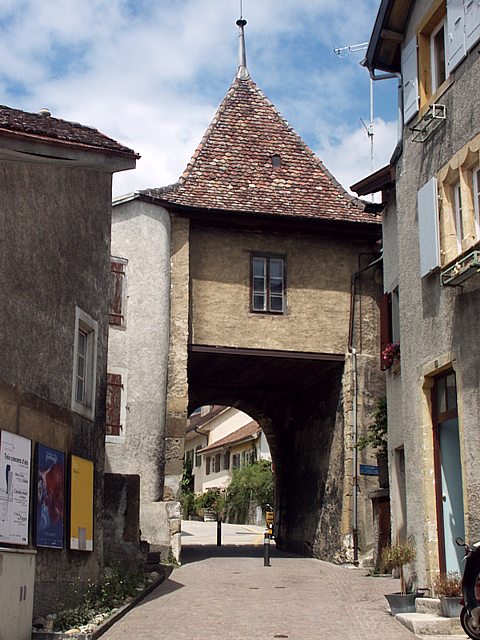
{"x": 343, "y": 52}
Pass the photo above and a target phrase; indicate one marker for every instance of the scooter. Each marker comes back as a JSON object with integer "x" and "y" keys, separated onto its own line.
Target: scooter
{"x": 470, "y": 613}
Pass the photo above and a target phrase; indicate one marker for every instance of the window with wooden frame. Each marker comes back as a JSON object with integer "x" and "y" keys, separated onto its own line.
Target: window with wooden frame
{"x": 457, "y": 206}
{"x": 198, "y": 456}
{"x": 459, "y": 202}
{"x": 217, "y": 462}
{"x": 433, "y": 51}
{"x": 84, "y": 364}
{"x": 236, "y": 461}
{"x": 389, "y": 329}
{"x": 268, "y": 284}
{"x": 118, "y": 267}
{"x": 476, "y": 198}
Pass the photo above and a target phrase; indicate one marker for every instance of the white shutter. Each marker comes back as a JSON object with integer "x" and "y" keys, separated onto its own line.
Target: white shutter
{"x": 456, "y": 48}
{"x": 472, "y": 22}
{"x": 410, "y": 80}
{"x": 427, "y": 208}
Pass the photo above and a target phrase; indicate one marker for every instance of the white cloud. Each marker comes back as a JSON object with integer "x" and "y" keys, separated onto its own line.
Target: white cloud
{"x": 151, "y": 73}
{"x": 349, "y": 159}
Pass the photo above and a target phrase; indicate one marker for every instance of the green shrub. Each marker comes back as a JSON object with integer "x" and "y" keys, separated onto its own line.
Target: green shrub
{"x": 210, "y": 500}
{"x": 251, "y": 483}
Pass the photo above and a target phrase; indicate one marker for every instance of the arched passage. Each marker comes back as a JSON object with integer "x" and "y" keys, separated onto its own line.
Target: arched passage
{"x": 296, "y": 399}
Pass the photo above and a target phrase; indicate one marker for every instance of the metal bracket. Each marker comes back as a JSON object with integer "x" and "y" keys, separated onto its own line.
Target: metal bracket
{"x": 429, "y": 122}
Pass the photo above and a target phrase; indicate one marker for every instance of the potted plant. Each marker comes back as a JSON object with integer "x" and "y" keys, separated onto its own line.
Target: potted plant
{"x": 448, "y": 587}
{"x": 395, "y": 557}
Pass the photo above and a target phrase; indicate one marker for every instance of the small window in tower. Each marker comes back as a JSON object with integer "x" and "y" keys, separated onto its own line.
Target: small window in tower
{"x": 276, "y": 161}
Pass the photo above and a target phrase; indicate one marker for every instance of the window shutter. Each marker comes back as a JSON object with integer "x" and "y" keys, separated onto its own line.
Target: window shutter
{"x": 410, "y": 79}
{"x": 385, "y": 305}
{"x": 116, "y": 308}
{"x": 114, "y": 404}
{"x": 455, "y": 33}
{"x": 427, "y": 208}
{"x": 217, "y": 463}
{"x": 207, "y": 465}
{"x": 472, "y": 22}
{"x": 226, "y": 461}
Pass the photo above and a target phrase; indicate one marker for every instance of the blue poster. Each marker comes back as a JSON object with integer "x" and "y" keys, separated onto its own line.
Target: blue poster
{"x": 50, "y": 497}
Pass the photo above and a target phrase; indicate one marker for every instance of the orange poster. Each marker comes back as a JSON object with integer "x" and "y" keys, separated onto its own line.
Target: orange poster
{"x": 81, "y": 504}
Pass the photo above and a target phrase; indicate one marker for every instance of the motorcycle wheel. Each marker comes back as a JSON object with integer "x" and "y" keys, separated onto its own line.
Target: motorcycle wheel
{"x": 468, "y": 625}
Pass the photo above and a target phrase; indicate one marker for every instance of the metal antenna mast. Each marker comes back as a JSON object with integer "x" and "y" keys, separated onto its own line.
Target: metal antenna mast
{"x": 343, "y": 52}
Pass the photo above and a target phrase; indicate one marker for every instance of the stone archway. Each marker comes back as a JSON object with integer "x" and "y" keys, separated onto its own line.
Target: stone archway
{"x": 297, "y": 400}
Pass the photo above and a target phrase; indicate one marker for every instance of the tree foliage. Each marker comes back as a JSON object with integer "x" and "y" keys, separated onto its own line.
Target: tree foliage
{"x": 252, "y": 483}
{"x": 376, "y": 437}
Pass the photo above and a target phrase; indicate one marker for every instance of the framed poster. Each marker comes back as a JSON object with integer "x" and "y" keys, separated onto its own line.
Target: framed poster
{"x": 81, "y": 504}
{"x": 50, "y": 476}
{"x": 15, "y": 464}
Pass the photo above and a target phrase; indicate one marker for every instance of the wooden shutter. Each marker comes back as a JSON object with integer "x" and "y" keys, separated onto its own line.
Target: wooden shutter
{"x": 456, "y": 44}
{"x": 410, "y": 79}
{"x": 116, "y": 315}
{"x": 114, "y": 404}
{"x": 428, "y": 234}
{"x": 207, "y": 465}
{"x": 472, "y": 22}
{"x": 217, "y": 463}
{"x": 385, "y": 305}
{"x": 226, "y": 461}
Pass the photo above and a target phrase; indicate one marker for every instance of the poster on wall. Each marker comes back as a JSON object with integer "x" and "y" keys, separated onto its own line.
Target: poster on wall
{"x": 81, "y": 504}
{"x": 15, "y": 463}
{"x": 50, "y": 476}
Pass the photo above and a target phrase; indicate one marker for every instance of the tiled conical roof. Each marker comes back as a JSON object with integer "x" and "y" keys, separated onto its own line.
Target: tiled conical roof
{"x": 233, "y": 168}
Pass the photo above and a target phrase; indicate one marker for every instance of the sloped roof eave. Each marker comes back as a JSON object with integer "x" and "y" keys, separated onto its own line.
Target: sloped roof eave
{"x": 189, "y": 210}
{"x": 230, "y": 444}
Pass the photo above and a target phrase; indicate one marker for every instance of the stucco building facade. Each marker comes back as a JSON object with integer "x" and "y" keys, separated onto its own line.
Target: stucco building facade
{"x": 431, "y": 235}
{"x": 55, "y": 211}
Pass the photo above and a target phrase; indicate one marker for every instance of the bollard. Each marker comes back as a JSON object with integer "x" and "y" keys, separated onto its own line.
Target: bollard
{"x": 219, "y": 533}
{"x": 266, "y": 549}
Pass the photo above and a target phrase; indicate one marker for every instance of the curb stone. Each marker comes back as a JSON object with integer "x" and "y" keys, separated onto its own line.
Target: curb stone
{"x": 110, "y": 621}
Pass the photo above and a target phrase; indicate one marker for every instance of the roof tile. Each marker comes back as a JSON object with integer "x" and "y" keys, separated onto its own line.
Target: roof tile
{"x": 55, "y": 129}
{"x": 232, "y": 167}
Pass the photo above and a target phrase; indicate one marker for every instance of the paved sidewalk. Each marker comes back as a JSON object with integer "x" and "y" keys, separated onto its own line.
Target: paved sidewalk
{"x": 226, "y": 593}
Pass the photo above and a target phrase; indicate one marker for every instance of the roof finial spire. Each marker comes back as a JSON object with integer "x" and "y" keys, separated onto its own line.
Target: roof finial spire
{"x": 242, "y": 72}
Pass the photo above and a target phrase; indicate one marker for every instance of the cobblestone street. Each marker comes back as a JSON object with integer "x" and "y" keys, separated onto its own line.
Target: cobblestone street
{"x": 227, "y": 593}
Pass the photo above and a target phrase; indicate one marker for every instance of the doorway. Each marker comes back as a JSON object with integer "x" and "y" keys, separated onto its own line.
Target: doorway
{"x": 448, "y": 472}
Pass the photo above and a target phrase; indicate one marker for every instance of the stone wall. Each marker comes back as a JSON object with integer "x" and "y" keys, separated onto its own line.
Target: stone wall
{"x": 121, "y": 520}
{"x": 438, "y": 324}
{"x": 319, "y": 271}
{"x": 56, "y": 222}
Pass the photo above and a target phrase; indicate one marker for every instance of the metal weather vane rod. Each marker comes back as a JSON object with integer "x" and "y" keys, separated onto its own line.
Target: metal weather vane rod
{"x": 242, "y": 72}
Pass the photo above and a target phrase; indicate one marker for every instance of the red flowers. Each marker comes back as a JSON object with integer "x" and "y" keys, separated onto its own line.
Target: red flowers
{"x": 390, "y": 354}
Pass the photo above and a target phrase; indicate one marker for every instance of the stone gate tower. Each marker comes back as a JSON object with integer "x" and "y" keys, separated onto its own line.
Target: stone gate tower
{"x": 269, "y": 296}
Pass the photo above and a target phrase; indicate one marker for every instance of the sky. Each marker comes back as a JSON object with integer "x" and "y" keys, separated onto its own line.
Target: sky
{"x": 151, "y": 74}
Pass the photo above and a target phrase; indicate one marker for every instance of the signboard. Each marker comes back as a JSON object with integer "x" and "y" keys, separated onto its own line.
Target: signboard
{"x": 81, "y": 504}
{"x": 50, "y": 497}
{"x": 15, "y": 463}
{"x": 369, "y": 470}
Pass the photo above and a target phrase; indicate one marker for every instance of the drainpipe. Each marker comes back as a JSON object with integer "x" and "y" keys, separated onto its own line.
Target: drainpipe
{"x": 353, "y": 351}
{"x": 355, "y": 459}
{"x": 390, "y": 76}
